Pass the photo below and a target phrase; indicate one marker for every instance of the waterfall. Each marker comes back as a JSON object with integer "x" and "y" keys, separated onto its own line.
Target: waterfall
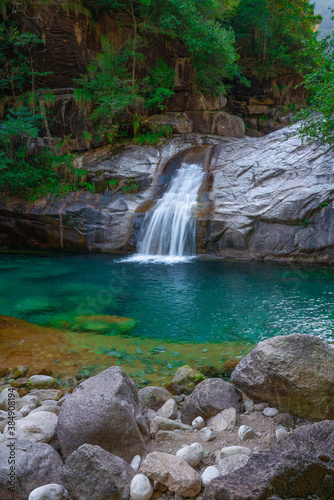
{"x": 168, "y": 231}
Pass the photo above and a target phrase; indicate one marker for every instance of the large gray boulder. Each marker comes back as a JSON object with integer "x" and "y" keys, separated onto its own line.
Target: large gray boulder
{"x": 92, "y": 473}
{"x": 209, "y": 398}
{"x": 294, "y": 373}
{"x": 36, "y": 464}
{"x": 105, "y": 411}
{"x": 299, "y": 465}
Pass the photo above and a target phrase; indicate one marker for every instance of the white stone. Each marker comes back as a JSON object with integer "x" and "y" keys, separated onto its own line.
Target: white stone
{"x": 135, "y": 462}
{"x": 198, "y": 423}
{"x": 228, "y": 451}
{"x": 168, "y": 410}
{"x": 224, "y": 420}
{"x": 280, "y": 433}
{"x": 6, "y": 396}
{"x": 232, "y": 463}
{"x": 39, "y": 427}
{"x": 141, "y": 487}
{"x": 207, "y": 434}
{"x": 48, "y": 492}
{"x": 249, "y": 405}
{"x": 270, "y": 412}
{"x": 51, "y": 408}
{"x": 25, "y": 410}
{"x": 41, "y": 381}
{"x": 245, "y": 432}
{"x": 210, "y": 473}
{"x": 192, "y": 454}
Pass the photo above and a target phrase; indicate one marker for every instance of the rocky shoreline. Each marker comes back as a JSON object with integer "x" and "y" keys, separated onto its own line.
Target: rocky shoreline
{"x": 207, "y": 440}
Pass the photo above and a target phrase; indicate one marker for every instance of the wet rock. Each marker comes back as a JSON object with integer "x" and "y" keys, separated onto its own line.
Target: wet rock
{"x": 229, "y": 451}
{"x": 198, "y": 423}
{"x": 245, "y": 432}
{"x": 173, "y": 472}
{"x": 153, "y": 397}
{"x": 209, "y": 398}
{"x": 192, "y": 454}
{"x": 41, "y": 382}
{"x": 168, "y": 410}
{"x": 299, "y": 465}
{"x": 295, "y": 373}
{"x": 48, "y": 492}
{"x": 91, "y": 473}
{"x": 18, "y": 372}
{"x": 225, "y": 420}
{"x": 141, "y": 487}
{"x": 231, "y": 463}
{"x": 186, "y": 379}
{"x": 38, "y": 427}
{"x": 36, "y": 464}
{"x": 20, "y": 382}
{"x": 210, "y": 473}
{"x": 104, "y": 410}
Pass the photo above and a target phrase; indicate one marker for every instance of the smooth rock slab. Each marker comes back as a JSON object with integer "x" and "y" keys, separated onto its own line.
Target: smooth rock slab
{"x": 38, "y": 427}
{"x": 173, "y": 472}
{"x": 48, "y": 492}
{"x": 165, "y": 424}
{"x": 209, "y": 398}
{"x": 229, "y": 451}
{"x": 92, "y": 473}
{"x": 141, "y": 487}
{"x": 299, "y": 465}
{"x": 192, "y": 454}
{"x": 36, "y": 464}
{"x": 294, "y": 373}
{"x": 104, "y": 410}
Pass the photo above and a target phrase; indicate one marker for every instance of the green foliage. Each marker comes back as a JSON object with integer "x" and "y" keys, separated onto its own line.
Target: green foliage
{"x": 275, "y": 36}
{"x": 130, "y": 187}
{"x": 153, "y": 135}
{"x": 318, "y": 116}
{"x": 157, "y": 86}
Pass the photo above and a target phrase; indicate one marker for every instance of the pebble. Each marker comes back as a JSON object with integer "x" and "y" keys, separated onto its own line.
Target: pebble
{"x": 281, "y": 433}
{"x": 141, "y": 487}
{"x": 210, "y": 473}
{"x": 270, "y": 412}
{"x": 207, "y": 434}
{"x": 178, "y": 399}
{"x": 135, "y": 462}
{"x": 48, "y": 492}
{"x": 192, "y": 454}
{"x": 228, "y": 451}
{"x": 249, "y": 405}
{"x": 198, "y": 423}
{"x": 245, "y": 432}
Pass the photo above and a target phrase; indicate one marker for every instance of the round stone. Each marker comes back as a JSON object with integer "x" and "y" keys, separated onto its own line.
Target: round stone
{"x": 210, "y": 473}
{"x": 141, "y": 487}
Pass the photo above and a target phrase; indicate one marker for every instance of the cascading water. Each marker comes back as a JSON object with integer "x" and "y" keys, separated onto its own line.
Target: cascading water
{"x": 168, "y": 232}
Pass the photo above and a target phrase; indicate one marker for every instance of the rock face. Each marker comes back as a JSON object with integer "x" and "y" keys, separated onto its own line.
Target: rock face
{"x": 104, "y": 410}
{"x": 294, "y": 373}
{"x": 173, "y": 472}
{"x": 36, "y": 464}
{"x": 209, "y": 398}
{"x": 299, "y": 465}
{"x": 92, "y": 473}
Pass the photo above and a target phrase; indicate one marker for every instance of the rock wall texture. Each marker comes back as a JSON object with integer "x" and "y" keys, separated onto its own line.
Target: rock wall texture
{"x": 263, "y": 198}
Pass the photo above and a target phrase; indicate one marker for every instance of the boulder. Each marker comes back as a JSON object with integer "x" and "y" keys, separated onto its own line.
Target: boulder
{"x": 172, "y": 472}
{"x": 294, "y": 373}
{"x": 186, "y": 379}
{"x": 36, "y": 464}
{"x": 38, "y": 427}
{"x": 48, "y": 492}
{"x": 168, "y": 410}
{"x": 218, "y": 123}
{"x": 198, "y": 423}
{"x": 152, "y": 397}
{"x": 210, "y": 473}
{"x": 141, "y": 487}
{"x": 192, "y": 454}
{"x": 299, "y": 465}
{"x": 6, "y": 396}
{"x": 179, "y": 123}
{"x": 92, "y": 473}
{"x": 41, "y": 382}
{"x": 209, "y": 398}
{"x": 104, "y": 410}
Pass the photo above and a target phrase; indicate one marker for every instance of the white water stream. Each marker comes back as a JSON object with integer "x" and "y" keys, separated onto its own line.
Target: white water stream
{"x": 168, "y": 232}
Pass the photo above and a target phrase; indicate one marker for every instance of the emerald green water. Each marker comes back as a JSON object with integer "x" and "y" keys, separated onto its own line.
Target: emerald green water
{"x": 197, "y": 301}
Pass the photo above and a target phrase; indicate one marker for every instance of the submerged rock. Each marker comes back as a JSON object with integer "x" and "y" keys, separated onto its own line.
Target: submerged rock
{"x": 294, "y": 373}
{"x": 104, "y": 410}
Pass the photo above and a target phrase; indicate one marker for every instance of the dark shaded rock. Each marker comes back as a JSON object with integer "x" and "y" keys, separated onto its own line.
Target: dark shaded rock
{"x": 105, "y": 411}
{"x": 285, "y": 420}
{"x": 185, "y": 380}
{"x": 209, "y": 398}
{"x": 153, "y": 398}
{"x": 91, "y": 473}
{"x": 217, "y": 122}
{"x": 299, "y": 465}
{"x": 294, "y": 373}
{"x": 36, "y": 464}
